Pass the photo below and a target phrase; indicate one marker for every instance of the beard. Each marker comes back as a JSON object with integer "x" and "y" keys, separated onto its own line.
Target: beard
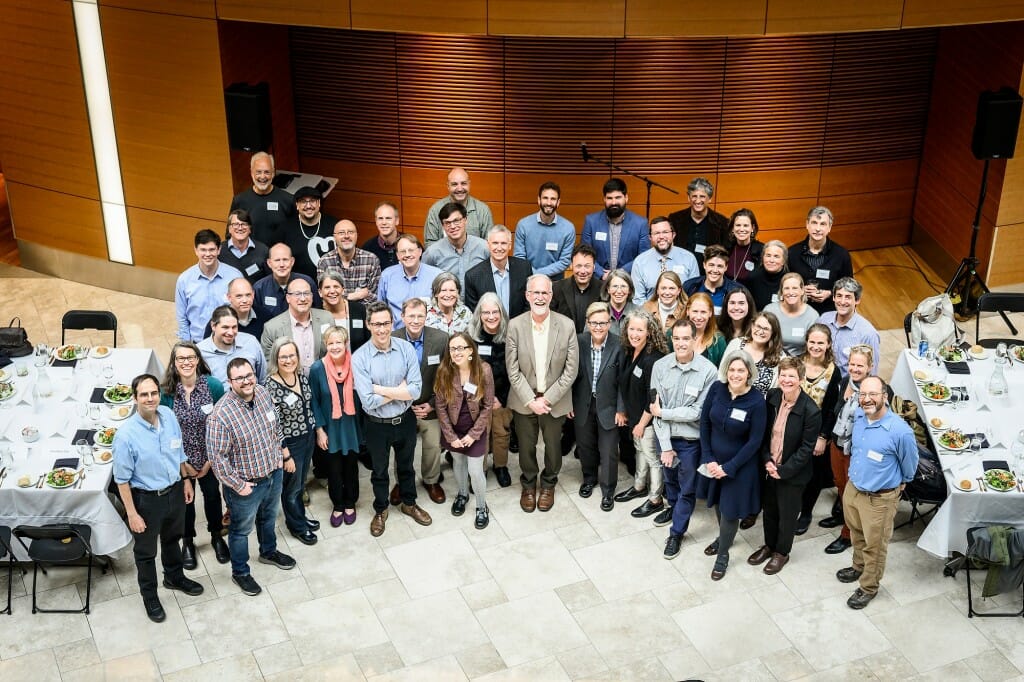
{"x": 614, "y": 211}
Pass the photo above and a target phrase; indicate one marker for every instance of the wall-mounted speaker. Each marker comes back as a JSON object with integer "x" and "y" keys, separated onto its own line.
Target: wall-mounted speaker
{"x": 995, "y": 128}
{"x": 248, "y": 113}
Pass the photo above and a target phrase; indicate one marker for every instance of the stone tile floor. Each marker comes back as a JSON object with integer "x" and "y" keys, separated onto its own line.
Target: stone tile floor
{"x": 571, "y": 594}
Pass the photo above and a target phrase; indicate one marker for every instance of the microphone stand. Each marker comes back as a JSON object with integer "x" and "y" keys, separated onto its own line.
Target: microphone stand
{"x": 587, "y": 156}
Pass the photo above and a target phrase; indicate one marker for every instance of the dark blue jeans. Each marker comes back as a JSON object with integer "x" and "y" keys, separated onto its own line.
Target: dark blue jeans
{"x": 301, "y": 450}
{"x": 259, "y": 509}
{"x": 681, "y": 483}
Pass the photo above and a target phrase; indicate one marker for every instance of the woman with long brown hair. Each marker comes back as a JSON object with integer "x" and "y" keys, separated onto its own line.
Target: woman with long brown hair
{"x": 669, "y": 300}
{"x": 463, "y": 398}
{"x": 709, "y": 342}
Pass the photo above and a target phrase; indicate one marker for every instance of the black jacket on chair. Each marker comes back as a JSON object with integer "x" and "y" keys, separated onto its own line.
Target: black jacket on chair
{"x": 480, "y": 280}
{"x": 802, "y": 429}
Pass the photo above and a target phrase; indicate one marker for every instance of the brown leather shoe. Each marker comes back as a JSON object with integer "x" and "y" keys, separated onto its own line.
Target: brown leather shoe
{"x": 528, "y": 500}
{"x": 377, "y": 524}
{"x": 760, "y": 556}
{"x": 396, "y": 498}
{"x": 546, "y": 499}
{"x": 748, "y": 522}
{"x": 417, "y": 513}
{"x": 435, "y": 492}
{"x": 776, "y": 563}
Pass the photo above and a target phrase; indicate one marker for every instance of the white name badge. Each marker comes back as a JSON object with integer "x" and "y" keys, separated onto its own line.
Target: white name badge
{"x": 291, "y": 399}
{"x": 325, "y": 327}
{"x": 749, "y": 265}
{"x": 846, "y": 351}
{"x": 269, "y": 301}
{"x": 738, "y": 414}
{"x": 718, "y": 310}
{"x": 433, "y": 359}
{"x": 600, "y": 236}
{"x": 470, "y": 387}
{"x": 679, "y": 269}
{"x": 357, "y": 324}
{"x": 876, "y": 456}
{"x": 638, "y": 371}
{"x": 775, "y": 298}
{"x": 484, "y": 350}
{"x": 252, "y": 269}
{"x": 175, "y": 443}
{"x": 271, "y": 416}
{"x": 699, "y": 248}
{"x": 207, "y": 409}
{"x": 691, "y": 390}
{"x": 551, "y": 246}
{"x": 271, "y": 205}
{"x": 798, "y": 331}
{"x": 822, "y": 274}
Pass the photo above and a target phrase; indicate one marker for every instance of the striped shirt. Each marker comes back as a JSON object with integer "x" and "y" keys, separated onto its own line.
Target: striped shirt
{"x": 243, "y": 439}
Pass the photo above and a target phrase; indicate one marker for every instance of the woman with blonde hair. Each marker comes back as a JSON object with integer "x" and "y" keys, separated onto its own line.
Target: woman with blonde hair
{"x": 669, "y": 300}
{"x": 794, "y": 315}
{"x": 709, "y": 342}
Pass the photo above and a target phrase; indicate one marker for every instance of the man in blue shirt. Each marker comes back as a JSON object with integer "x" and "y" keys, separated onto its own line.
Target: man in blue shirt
{"x": 662, "y": 256}
{"x": 616, "y": 234}
{"x": 148, "y": 461}
{"x": 202, "y": 287}
{"x": 544, "y": 238}
{"x": 883, "y": 459}
{"x": 226, "y": 343}
{"x": 387, "y": 379}
{"x": 456, "y": 252}
{"x": 411, "y": 278}
{"x": 849, "y": 328}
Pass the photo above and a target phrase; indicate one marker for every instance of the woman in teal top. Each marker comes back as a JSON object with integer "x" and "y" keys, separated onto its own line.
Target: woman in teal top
{"x": 709, "y": 342}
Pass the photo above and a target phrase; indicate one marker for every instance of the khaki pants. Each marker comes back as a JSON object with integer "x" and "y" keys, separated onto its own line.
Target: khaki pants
{"x": 648, "y": 461}
{"x": 531, "y": 428}
{"x": 429, "y": 433}
{"x": 501, "y": 419}
{"x": 870, "y": 519}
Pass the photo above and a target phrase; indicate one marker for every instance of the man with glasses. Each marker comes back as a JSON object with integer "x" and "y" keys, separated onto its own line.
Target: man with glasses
{"x": 302, "y": 323}
{"x": 310, "y": 234}
{"x": 360, "y": 270}
{"x": 270, "y": 208}
{"x": 661, "y": 257}
{"x": 245, "y": 444}
{"x": 241, "y": 251}
{"x": 883, "y": 459}
{"x": 202, "y": 287}
{"x": 477, "y": 213}
{"x": 849, "y": 328}
{"x": 226, "y": 343}
{"x": 270, "y": 292}
{"x": 595, "y": 400}
{"x": 411, "y": 278}
{"x": 385, "y": 217}
{"x": 387, "y": 379}
{"x": 458, "y": 251}
{"x": 542, "y": 356}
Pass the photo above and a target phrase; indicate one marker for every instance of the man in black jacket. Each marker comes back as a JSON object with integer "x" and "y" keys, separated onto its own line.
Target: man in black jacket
{"x": 573, "y": 295}
{"x": 503, "y": 274}
{"x": 819, "y": 260}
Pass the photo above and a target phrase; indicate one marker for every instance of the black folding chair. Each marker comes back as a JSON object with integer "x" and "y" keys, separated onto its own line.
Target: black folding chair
{"x": 6, "y": 551}
{"x": 1017, "y": 537}
{"x": 57, "y": 544}
{"x": 102, "y": 320}
{"x": 997, "y": 302}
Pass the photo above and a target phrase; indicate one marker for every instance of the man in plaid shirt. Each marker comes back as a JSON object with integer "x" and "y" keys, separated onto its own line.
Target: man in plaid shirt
{"x": 360, "y": 270}
{"x": 244, "y": 442}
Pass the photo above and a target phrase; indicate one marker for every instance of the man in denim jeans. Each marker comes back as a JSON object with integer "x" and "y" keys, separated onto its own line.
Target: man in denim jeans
{"x": 245, "y": 445}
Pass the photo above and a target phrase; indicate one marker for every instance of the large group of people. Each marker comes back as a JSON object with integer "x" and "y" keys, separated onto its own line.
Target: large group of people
{"x": 710, "y": 365}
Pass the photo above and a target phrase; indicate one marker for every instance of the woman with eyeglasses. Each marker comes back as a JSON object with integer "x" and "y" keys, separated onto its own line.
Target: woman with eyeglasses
{"x": 795, "y": 316}
{"x": 290, "y": 391}
{"x": 348, "y": 314}
{"x": 337, "y": 427}
{"x": 463, "y": 397}
{"x": 709, "y": 342}
{"x": 446, "y": 311}
{"x": 764, "y": 345}
{"x": 821, "y": 382}
{"x": 668, "y": 301}
{"x": 765, "y": 280}
{"x": 190, "y": 390}
{"x": 618, "y": 292}
{"x": 737, "y": 314}
{"x": 744, "y": 249}
{"x": 487, "y": 328}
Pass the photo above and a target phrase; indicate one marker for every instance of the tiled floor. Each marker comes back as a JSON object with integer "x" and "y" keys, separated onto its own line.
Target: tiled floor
{"x": 572, "y": 594}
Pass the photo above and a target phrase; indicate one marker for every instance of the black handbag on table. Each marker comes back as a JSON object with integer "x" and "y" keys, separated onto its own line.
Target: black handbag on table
{"x": 14, "y": 341}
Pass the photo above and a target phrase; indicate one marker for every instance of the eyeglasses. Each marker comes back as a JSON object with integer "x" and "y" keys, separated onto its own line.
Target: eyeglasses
{"x": 308, "y": 202}
{"x": 458, "y": 349}
{"x": 244, "y": 379}
{"x": 452, "y": 222}
{"x": 597, "y": 325}
{"x": 871, "y": 395}
{"x": 286, "y": 358}
{"x": 186, "y": 359}
{"x": 234, "y": 225}
{"x": 763, "y": 328}
{"x": 379, "y": 325}
{"x": 301, "y": 294}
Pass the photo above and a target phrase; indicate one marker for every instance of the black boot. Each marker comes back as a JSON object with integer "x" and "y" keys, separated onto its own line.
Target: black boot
{"x": 220, "y": 549}
{"x": 188, "y": 554}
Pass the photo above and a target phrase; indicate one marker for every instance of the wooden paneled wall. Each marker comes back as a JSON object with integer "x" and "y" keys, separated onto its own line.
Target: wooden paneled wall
{"x": 778, "y": 124}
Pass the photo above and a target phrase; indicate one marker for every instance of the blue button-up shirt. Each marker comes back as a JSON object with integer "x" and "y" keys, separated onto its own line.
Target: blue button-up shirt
{"x": 146, "y": 456}
{"x": 396, "y": 287}
{"x": 883, "y": 453}
{"x": 547, "y": 247}
{"x": 647, "y": 268}
{"x": 371, "y": 365}
{"x": 246, "y": 346}
{"x": 501, "y": 279}
{"x": 196, "y": 295}
{"x": 856, "y": 331}
{"x": 443, "y": 254}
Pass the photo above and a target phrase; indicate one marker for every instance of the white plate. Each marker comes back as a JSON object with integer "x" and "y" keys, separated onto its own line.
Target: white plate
{"x": 111, "y": 402}
{"x": 62, "y": 487}
{"x": 80, "y": 353}
{"x": 942, "y": 426}
{"x": 12, "y": 395}
{"x": 922, "y": 376}
{"x": 97, "y": 451}
{"x": 96, "y": 353}
{"x": 96, "y": 440}
{"x": 950, "y": 447}
{"x": 3, "y": 374}
{"x": 979, "y": 356}
{"x": 115, "y": 413}
{"x": 974, "y": 486}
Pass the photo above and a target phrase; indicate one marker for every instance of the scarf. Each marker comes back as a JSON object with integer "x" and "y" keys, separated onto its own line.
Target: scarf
{"x": 341, "y": 374}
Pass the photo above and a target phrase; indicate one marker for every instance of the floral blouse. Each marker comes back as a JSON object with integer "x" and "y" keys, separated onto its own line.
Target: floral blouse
{"x": 295, "y": 413}
{"x": 191, "y": 416}
{"x": 460, "y": 319}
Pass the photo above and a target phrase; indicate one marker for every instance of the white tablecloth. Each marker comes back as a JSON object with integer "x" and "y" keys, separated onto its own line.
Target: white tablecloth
{"x": 1002, "y": 417}
{"x": 57, "y": 420}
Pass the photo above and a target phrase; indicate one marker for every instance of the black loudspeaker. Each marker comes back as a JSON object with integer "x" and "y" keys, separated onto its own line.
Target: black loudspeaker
{"x": 995, "y": 128}
{"x": 248, "y": 113}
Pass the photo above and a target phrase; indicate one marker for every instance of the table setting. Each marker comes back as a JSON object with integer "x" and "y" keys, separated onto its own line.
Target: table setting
{"x": 971, "y": 399}
{"x": 59, "y": 412}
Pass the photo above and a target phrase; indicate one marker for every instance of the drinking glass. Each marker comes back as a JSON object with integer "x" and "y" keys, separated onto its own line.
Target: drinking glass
{"x": 108, "y": 373}
{"x": 82, "y": 410}
{"x": 976, "y": 443}
{"x": 21, "y": 369}
{"x": 6, "y": 456}
{"x": 94, "y": 414}
{"x": 41, "y": 354}
{"x": 954, "y": 400}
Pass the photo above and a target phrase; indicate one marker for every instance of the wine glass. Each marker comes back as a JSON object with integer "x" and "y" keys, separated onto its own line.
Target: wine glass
{"x": 954, "y": 400}
{"x": 108, "y": 373}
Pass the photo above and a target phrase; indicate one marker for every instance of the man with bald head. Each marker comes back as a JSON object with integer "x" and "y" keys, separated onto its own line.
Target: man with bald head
{"x": 240, "y": 297}
{"x": 478, "y": 214}
{"x": 270, "y": 208}
{"x": 360, "y": 270}
{"x": 270, "y": 292}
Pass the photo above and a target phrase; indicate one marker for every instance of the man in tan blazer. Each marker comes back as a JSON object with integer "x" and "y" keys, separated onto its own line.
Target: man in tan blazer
{"x": 302, "y": 322}
{"x": 542, "y": 356}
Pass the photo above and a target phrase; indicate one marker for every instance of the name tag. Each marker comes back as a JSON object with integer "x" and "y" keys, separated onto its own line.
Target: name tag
{"x": 600, "y": 236}
{"x": 433, "y": 360}
{"x": 822, "y": 274}
{"x": 679, "y": 269}
{"x": 470, "y": 387}
{"x": 291, "y": 399}
{"x": 357, "y": 324}
{"x": 271, "y": 205}
{"x": 698, "y": 248}
{"x": 269, "y": 301}
{"x": 775, "y": 298}
{"x": 551, "y": 246}
{"x": 738, "y": 414}
{"x": 692, "y": 391}
{"x": 175, "y": 443}
{"x": 798, "y": 331}
{"x": 638, "y": 371}
{"x": 484, "y": 350}
{"x": 876, "y": 456}
{"x": 718, "y": 310}
{"x": 846, "y": 351}
{"x": 206, "y": 409}
{"x": 271, "y": 416}
{"x": 252, "y": 269}
{"x": 749, "y": 265}
{"x": 325, "y": 327}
